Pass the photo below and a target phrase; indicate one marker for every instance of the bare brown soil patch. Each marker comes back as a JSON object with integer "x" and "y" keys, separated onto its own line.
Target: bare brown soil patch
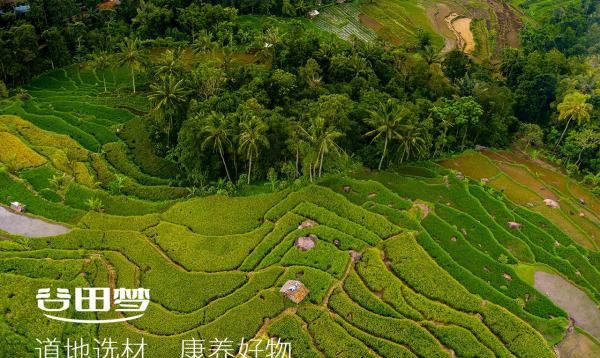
{"x": 370, "y": 22}
{"x": 463, "y": 28}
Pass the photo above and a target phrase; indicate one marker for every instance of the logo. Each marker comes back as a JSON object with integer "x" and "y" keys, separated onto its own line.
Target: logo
{"x": 91, "y": 299}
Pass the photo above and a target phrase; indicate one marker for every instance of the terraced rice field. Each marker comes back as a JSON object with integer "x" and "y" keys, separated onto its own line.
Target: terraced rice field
{"x": 529, "y": 183}
{"x": 414, "y": 263}
{"x": 344, "y": 21}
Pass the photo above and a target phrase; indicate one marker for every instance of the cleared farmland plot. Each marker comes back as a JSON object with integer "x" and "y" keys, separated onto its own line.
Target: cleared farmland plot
{"x": 343, "y": 20}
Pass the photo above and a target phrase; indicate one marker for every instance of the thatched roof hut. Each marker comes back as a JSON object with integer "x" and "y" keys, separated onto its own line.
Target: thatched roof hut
{"x": 294, "y": 290}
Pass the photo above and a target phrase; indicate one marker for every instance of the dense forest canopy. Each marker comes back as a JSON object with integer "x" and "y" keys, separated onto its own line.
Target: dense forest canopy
{"x": 271, "y": 95}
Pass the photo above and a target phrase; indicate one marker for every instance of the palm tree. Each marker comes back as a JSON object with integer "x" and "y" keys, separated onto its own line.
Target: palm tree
{"x": 170, "y": 63}
{"x": 203, "y": 43}
{"x": 252, "y": 137}
{"x": 218, "y": 134}
{"x": 132, "y": 56}
{"x": 431, "y": 55}
{"x": 573, "y": 106}
{"x": 167, "y": 96}
{"x": 323, "y": 137}
{"x": 385, "y": 123}
{"x": 445, "y": 124}
{"x": 295, "y": 140}
{"x": 412, "y": 141}
{"x": 101, "y": 62}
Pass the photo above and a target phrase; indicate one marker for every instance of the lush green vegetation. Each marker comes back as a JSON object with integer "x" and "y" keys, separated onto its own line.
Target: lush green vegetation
{"x": 188, "y": 145}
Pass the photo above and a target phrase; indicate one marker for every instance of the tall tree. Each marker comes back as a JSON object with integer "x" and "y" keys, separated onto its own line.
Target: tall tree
{"x": 170, "y": 63}
{"x": 168, "y": 95}
{"x": 101, "y": 61}
{"x": 530, "y": 133}
{"x": 56, "y": 47}
{"x": 295, "y": 141}
{"x": 217, "y": 133}
{"x": 252, "y": 138}
{"x": 573, "y": 107}
{"x": 385, "y": 123}
{"x": 132, "y": 56}
{"x": 323, "y": 137}
{"x": 203, "y": 43}
{"x": 412, "y": 140}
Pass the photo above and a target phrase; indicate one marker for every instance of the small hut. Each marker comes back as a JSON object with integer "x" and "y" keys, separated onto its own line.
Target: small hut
{"x": 551, "y": 203}
{"x": 294, "y": 290}
{"x": 18, "y": 207}
{"x": 313, "y": 13}
{"x": 513, "y": 225}
{"x": 307, "y": 223}
{"x": 306, "y": 243}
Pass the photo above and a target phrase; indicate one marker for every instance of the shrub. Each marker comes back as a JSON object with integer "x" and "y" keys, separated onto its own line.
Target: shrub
{"x": 94, "y": 204}
{"x": 3, "y": 90}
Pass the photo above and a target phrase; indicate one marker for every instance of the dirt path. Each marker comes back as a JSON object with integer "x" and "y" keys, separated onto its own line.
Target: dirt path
{"x": 574, "y": 301}
{"x": 17, "y": 224}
